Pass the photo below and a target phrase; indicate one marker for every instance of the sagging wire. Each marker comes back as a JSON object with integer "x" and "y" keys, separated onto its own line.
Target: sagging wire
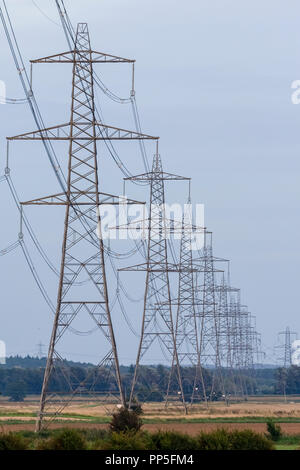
{"x": 5, "y": 100}
{"x": 139, "y": 129}
{"x": 35, "y": 275}
{"x": 70, "y": 33}
{"x": 70, "y": 36}
{"x": 66, "y": 23}
{"x": 123, "y": 310}
{"x": 44, "y": 14}
{"x": 117, "y": 255}
{"x": 111, "y": 149}
{"x": 83, "y": 333}
{"x": 9, "y": 248}
{"x": 42, "y": 288}
{"x": 108, "y": 92}
{"x": 30, "y": 230}
{"x": 26, "y": 84}
{"x": 120, "y": 284}
{"x": 28, "y": 225}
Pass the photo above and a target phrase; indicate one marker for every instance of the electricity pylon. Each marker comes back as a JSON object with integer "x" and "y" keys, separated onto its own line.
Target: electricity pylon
{"x": 157, "y": 320}
{"x": 210, "y": 322}
{"x": 83, "y": 249}
{"x": 223, "y": 317}
{"x": 187, "y": 321}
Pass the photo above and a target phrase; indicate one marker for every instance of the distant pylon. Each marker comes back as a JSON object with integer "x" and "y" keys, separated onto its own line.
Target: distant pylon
{"x": 40, "y": 347}
{"x": 157, "y": 320}
{"x": 83, "y": 249}
{"x": 223, "y": 316}
{"x": 187, "y": 320}
{"x": 210, "y": 346}
{"x": 286, "y": 359}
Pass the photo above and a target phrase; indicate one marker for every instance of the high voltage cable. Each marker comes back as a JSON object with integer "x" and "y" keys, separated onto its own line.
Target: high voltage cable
{"x": 44, "y": 14}
{"x": 9, "y": 248}
{"x": 108, "y": 92}
{"x": 36, "y": 276}
{"x": 5, "y": 100}
{"x": 19, "y": 63}
{"x": 31, "y": 232}
{"x": 25, "y": 250}
{"x": 28, "y": 225}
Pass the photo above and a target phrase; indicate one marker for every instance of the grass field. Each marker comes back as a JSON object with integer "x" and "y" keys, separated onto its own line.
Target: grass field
{"x": 84, "y": 413}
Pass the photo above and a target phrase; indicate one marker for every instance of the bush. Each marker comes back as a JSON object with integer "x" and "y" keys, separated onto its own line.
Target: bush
{"x": 15, "y": 390}
{"x": 274, "y": 430}
{"x": 169, "y": 440}
{"x": 94, "y": 434}
{"x": 125, "y": 420}
{"x": 67, "y": 439}
{"x": 236, "y": 440}
{"x": 249, "y": 440}
{"x": 10, "y": 441}
{"x": 126, "y": 440}
{"x": 136, "y": 407}
{"x": 217, "y": 440}
{"x": 94, "y": 437}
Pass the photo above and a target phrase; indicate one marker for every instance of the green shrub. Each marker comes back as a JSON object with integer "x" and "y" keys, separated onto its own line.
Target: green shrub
{"x": 125, "y": 420}
{"x": 216, "y": 440}
{"x": 235, "y": 440}
{"x": 169, "y": 440}
{"x": 94, "y": 437}
{"x": 126, "y": 440}
{"x": 11, "y": 441}
{"x": 66, "y": 439}
{"x": 249, "y": 440}
{"x": 94, "y": 434}
{"x": 136, "y": 407}
{"x": 15, "y": 390}
{"x": 274, "y": 430}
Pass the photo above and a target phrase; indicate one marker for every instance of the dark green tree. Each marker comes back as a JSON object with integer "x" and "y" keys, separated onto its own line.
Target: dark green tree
{"x": 16, "y": 390}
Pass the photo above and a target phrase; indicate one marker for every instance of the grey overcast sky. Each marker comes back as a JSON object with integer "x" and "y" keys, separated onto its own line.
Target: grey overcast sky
{"x": 213, "y": 80}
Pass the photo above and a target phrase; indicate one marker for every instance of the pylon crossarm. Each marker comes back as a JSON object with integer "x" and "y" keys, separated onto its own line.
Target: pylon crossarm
{"x": 43, "y": 134}
{"x": 63, "y": 132}
{"x": 86, "y": 57}
{"x": 169, "y": 267}
{"x": 162, "y": 176}
{"x": 214, "y": 259}
{"x": 170, "y": 226}
{"x": 62, "y": 199}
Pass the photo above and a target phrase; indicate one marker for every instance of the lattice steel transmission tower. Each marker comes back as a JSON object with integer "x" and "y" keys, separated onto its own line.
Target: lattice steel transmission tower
{"x": 187, "y": 321}
{"x": 210, "y": 322}
{"x": 223, "y": 316}
{"x": 157, "y": 320}
{"x": 82, "y": 259}
{"x": 286, "y": 347}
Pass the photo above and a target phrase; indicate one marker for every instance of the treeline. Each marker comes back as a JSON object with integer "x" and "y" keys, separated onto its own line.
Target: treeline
{"x": 24, "y": 376}
{"x": 30, "y": 362}
{"x": 288, "y": 380}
